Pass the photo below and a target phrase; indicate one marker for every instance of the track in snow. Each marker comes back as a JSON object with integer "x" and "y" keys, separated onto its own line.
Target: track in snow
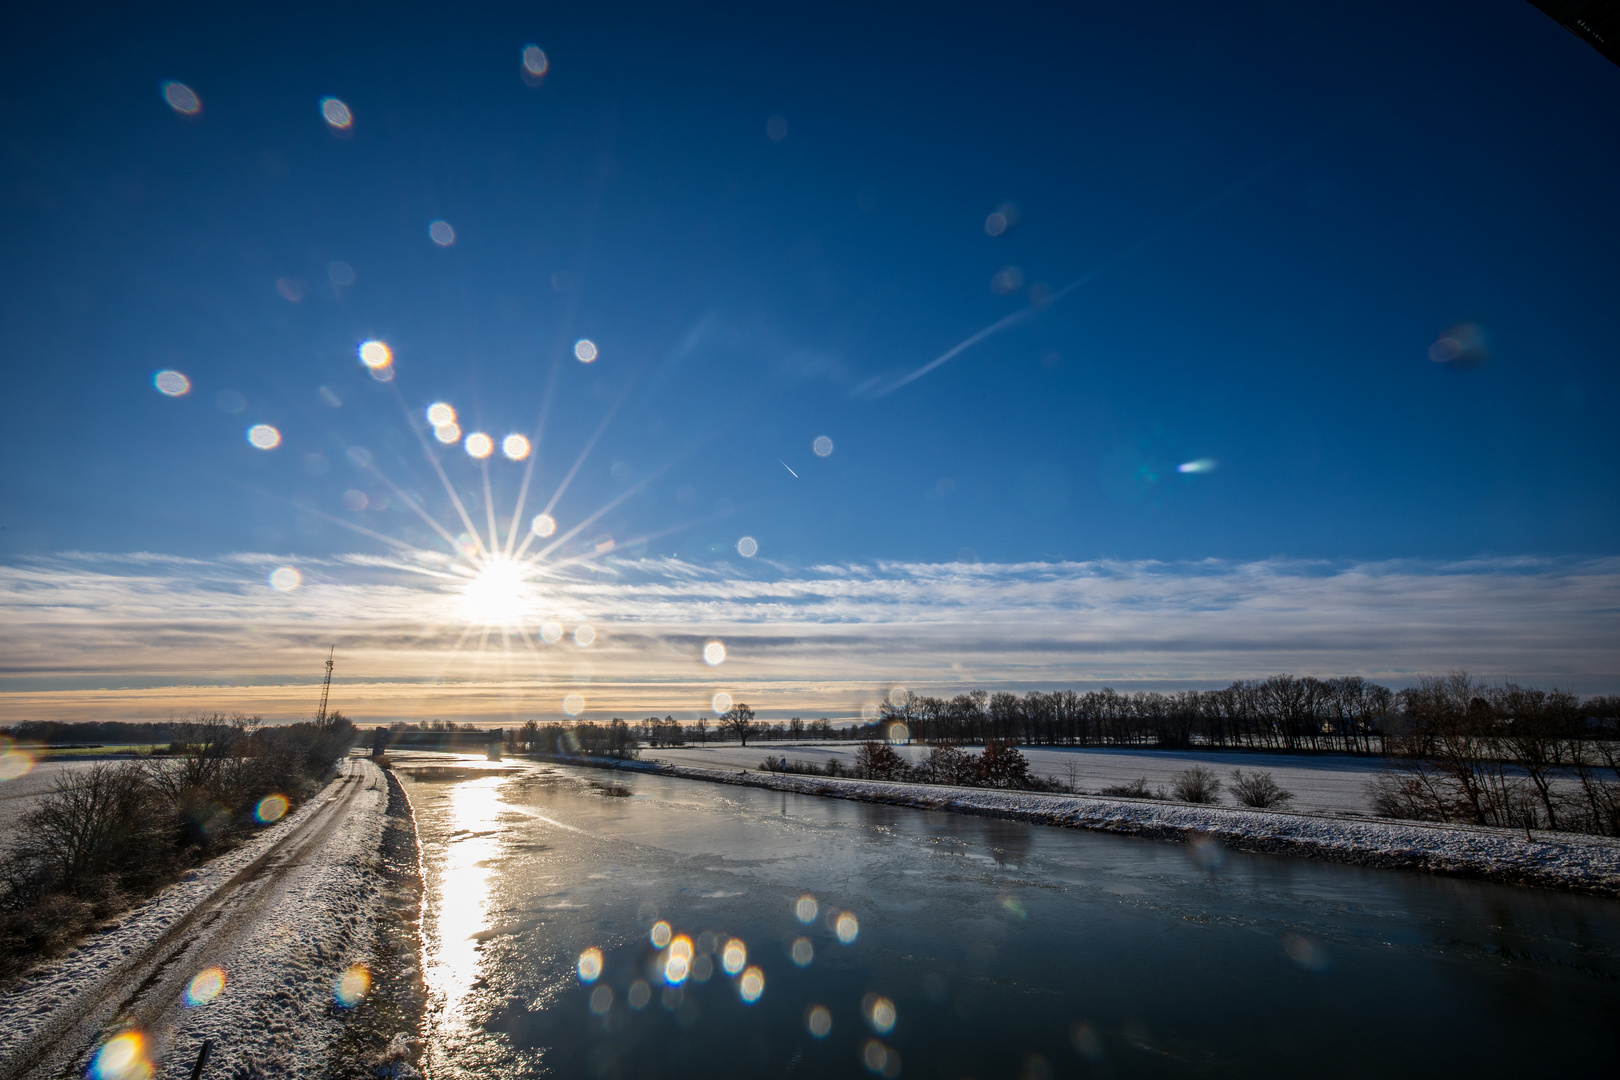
{"x": 144, "y": 989}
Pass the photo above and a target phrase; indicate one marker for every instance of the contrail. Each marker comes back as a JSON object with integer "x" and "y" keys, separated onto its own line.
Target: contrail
{"x": 1152, "y": 237}
{"x": 785, "y": 466}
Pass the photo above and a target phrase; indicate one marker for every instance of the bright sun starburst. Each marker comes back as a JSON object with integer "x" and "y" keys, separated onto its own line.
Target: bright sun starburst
{"x": 500, "y": 594}
{"x": 492, "y": 569}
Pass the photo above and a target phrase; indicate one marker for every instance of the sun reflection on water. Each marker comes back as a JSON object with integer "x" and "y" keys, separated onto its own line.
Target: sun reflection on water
{"x": 459, "y": 907}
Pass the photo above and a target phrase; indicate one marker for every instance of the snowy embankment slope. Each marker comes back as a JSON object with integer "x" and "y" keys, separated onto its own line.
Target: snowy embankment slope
{"x": 1332, "y": 783}
{"x": 283, "y": 916}
{"x": 1561, "y": 860}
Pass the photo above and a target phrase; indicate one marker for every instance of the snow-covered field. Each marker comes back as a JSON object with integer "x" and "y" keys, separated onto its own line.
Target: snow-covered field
{"x": 19, "y": 795}
{"x": 1332, "y": 783}
{"x": 283, "y": 917}
{"x": 1556, "y": 859}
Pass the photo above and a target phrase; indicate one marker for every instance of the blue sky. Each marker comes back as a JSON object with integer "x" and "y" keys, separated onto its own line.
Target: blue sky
{"x": 1275, "y": 213}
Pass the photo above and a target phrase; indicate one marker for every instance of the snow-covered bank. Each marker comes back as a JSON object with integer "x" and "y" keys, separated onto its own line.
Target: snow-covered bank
{"x": 1560, "y": 860}
{"x": 283, "y": 917}
{"x": 1330, "y": 783}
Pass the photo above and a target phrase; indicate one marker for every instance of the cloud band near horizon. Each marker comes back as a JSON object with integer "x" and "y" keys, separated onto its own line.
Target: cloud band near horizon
{"x": 88, "y": 636}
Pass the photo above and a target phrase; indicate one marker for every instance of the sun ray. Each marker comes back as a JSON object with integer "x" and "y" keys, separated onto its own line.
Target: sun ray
{"x": 438, "y": 467}
{"x": 489, "y": 511}
{"x": 334, "y": 519}
{"x": 534, "y": 455}
{"x": 400, "y": 494}
{"x": 594, "y": 518}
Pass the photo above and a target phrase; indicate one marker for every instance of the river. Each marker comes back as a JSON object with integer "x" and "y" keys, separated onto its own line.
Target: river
{"x": 972, "y": 947}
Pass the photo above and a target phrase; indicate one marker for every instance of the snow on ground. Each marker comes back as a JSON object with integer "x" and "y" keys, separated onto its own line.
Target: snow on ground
{"x": 277, "y": 1016}
{"x": 289, "y": 939}
{"x": 1332, "y": 783}
{"x": 1566, "y": 860}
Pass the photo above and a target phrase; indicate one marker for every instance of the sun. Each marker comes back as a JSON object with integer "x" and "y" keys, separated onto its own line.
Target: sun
{"x": 500, "y": 593}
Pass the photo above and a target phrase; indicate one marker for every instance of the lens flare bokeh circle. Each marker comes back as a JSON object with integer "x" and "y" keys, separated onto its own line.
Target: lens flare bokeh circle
{"x": 182, "y": 98}
{"x": 336, "y": 114}
{"x": 733, "y": 956}
{"x": 204, "y": 987}
{"x": 751, "y": 985}
{"x": 264, "y": 436}
{"x": 171, "y": 383}
{"x": 375, "y": 354}
{"x": 122, "y": 1057}
{"x": 270, "y": 808}
{"x": 352, "y": 986}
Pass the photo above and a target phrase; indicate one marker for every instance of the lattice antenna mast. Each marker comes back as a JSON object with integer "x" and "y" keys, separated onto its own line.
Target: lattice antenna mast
{"x": 326, "y": 688}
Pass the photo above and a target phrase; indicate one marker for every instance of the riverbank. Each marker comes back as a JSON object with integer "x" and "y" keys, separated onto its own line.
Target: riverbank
{"x": 331, "y": 890}
{"x": 1552, "y": 860}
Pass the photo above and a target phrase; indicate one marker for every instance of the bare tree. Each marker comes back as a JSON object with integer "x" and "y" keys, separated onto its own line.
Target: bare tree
{"x": 737, "y": 721}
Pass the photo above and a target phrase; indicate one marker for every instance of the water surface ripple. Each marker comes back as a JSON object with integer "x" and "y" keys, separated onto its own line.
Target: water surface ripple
{"x": 981, "y": 948}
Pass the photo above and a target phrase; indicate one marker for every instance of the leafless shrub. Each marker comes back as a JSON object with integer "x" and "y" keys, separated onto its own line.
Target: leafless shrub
{"x": 1259, "y": 790}
{"x": 1196, "y": 784}
{"x": 1135, "y": 789}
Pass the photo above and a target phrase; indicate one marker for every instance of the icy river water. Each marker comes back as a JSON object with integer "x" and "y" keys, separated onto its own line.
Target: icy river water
{"x": 974, "y": 948}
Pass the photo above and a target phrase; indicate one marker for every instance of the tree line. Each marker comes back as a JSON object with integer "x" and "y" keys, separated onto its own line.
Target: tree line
{"x": 1283, "y": 712}
{"x": 1505, "y": 755}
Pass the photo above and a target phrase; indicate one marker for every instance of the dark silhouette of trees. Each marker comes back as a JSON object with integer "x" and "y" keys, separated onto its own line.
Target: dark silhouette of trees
{"x": 878, "y": 761}
{"x": 738, "y": 722}
{"x": 1002, "y": 766}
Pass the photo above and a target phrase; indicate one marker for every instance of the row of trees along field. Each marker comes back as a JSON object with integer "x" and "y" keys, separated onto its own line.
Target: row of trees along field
{"x": 1283, "y": 712}
{"x": 1504, "y": 755}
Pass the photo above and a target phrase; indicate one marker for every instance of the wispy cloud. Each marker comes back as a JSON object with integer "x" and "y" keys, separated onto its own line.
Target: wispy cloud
{"x": 145, "y": 634}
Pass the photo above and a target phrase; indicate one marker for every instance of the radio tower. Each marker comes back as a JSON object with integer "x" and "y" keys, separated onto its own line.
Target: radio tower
{"x": 326, "y": 688}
